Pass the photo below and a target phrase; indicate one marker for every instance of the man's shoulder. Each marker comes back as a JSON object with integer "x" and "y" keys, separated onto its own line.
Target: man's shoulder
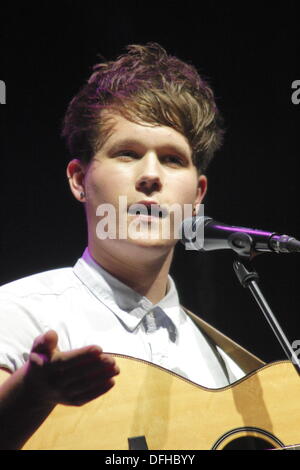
{"x": 53, "y": 281}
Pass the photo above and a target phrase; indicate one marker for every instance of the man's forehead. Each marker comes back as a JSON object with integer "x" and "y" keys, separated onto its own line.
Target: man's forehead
{"x": 121, "y": 131}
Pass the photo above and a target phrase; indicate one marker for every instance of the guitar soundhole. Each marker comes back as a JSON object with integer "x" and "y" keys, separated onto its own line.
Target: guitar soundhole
{"x": 247, "y": 438}
{"x": 248, "y": 443}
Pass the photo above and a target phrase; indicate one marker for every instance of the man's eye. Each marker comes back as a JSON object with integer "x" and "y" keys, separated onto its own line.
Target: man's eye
{"x": 126, "y": 154}
{"x": 173, "y": 159}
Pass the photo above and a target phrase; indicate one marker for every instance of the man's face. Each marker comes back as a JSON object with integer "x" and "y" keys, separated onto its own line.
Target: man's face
{"x": 145, "y": 165}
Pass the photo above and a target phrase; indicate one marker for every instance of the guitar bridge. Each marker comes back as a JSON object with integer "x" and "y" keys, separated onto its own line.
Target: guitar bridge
{"x": 137, "y": 443}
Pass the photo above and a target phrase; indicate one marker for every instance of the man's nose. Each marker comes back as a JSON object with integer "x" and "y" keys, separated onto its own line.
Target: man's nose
{"x": 149, "y": 179}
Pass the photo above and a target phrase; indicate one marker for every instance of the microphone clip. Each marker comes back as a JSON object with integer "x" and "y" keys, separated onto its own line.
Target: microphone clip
{"x": 242, "y": 244}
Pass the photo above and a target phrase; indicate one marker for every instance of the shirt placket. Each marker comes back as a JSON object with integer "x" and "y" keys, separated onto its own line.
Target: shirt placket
{"x": 157, "y": 338}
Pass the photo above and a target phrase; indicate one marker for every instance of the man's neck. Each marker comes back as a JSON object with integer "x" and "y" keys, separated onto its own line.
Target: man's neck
{"x": 145, "y": 272}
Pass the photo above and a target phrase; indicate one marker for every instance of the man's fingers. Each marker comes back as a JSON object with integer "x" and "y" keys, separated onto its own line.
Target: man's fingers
{"x": 66, "y": 361}
{"x": 83, "y": 372}
{"x": 80, "y": 397}
{"x": 75, "y": 356}
{"x": 81, "y": 379}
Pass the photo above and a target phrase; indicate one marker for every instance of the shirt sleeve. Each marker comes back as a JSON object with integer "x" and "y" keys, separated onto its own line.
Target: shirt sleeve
{"x": 19, "y": 326}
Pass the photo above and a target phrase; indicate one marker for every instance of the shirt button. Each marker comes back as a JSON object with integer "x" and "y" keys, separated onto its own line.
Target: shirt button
{"x": 144, "y": 304}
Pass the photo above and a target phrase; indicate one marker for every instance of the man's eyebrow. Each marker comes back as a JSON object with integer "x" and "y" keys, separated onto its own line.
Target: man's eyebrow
{"x": 169, "y": 147}
{"x": 123, "y": 143}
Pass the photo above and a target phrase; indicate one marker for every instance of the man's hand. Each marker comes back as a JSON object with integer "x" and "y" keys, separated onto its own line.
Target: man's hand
{"x": 48, "y": 378}
{"x": 69, "y": 378}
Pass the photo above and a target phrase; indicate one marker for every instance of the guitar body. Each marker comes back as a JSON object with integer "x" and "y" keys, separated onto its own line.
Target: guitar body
{"x": 174, "y": 413}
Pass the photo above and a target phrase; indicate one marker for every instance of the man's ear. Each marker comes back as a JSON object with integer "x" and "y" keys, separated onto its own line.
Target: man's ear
{"x": 76, "y": 173}
{"x": 201, "y": 191}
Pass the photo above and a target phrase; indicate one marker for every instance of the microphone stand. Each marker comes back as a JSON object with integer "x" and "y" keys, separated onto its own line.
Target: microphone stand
{"x": 243, "y": 245}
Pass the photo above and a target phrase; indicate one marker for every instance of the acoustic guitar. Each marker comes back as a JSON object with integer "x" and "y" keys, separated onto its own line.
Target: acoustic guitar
{"x": 152, "y": 408}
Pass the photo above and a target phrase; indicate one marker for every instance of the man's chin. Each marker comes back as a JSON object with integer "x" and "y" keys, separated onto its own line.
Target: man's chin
{"x": 151, "y": 242}
{"x": 140, "y": 232}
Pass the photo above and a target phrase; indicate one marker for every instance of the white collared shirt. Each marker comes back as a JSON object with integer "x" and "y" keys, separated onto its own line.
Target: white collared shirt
{"x": 86, "y": 305}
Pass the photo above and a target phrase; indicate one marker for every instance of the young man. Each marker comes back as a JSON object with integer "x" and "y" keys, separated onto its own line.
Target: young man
{"x": 142, "y": 130}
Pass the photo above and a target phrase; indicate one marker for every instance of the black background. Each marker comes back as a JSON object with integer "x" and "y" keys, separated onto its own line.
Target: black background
{"x": 250, "y": 54}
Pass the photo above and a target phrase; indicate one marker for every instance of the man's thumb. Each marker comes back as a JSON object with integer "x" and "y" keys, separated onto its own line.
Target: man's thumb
{"x": 45, "y": 344}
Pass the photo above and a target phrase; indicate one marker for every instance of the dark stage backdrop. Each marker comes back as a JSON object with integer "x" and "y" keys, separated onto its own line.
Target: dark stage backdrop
{"x": 250, "y": 54}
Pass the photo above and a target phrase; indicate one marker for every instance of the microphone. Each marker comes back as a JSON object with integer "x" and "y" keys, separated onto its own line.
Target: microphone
{"x": 205, "y": 234}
